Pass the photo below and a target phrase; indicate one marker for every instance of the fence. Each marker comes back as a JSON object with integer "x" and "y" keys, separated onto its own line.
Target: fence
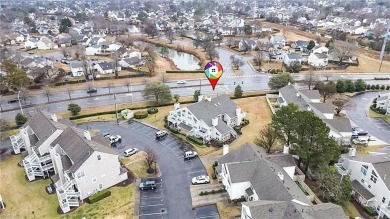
{"x": 267, "y": 96}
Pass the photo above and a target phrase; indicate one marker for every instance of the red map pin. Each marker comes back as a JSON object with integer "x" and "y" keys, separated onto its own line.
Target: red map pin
{"x": 213, "y": 71}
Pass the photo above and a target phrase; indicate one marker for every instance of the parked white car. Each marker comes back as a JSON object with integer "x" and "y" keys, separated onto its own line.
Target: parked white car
{"x": 360, "y": 141}
{"x": 114, "y": 138}
{"x": 130, "y": 152}
{"x": 202, "y": 179}
{"x": 181, "y": 82}
{"x": 190, "y": 154}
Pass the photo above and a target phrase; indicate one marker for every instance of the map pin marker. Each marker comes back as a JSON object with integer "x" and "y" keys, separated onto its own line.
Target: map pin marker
{"x": 213, "y": 71}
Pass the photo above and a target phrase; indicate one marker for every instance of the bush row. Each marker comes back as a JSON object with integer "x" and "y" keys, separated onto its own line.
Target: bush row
{"x": 99, "y": 196}
{"x": 182, "y": 71}
{"x": 195, "y": 140}
{"x": 141, "y": 114}
{"x": 211, "y": 192}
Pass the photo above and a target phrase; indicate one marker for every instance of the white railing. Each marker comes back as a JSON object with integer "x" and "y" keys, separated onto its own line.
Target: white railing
{"x": 385, "y": 209}
{"x": 17, "y": 142}
{"x": 341, "y": 169}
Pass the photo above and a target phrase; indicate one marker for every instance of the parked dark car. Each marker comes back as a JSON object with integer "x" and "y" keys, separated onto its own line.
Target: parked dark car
{"x": 359, "y": 131}
{"x": 13, "y": 101}
{"x": 92, "y": 90}
{"x": 147, "y": 185}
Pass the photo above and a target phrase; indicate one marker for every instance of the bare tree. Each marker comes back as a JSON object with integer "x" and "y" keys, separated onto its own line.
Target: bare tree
{"x": 342, "y": 50}
{"x": 149, "y": 160}
{"x": 69, "y": 90}
{"x": 24, "y": 94}
{"x": 169, "y": 34}
{"x": 340, "y": 102}
{"x": 310, "y": 79}
{"x": 89, "y": 86}
{"x": 151, "y": 66}
{"x": 212, "y": 54}
{"x": 47, "y": 92}
{"x": 327, "y": 90}
{"x": 258, "y": 59}
{"x": 141, "y": 46}
{"x": 128, "y": 84}
{"x": 267, "y": 138}
{"x": 238, "y": 63}
{"x": 115, "y": 59}
{"x": 229, "y": 42}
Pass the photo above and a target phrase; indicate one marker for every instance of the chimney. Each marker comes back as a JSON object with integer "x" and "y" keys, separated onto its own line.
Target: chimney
{"x": 297, "y": 93}
{"x": 214, "y": 121}
{"x": 225, "y": 149}
{"x": 238, "y": 111}
{"x": 54, "y": 117}
{"x": 200, "y": 98}
{"x": 176, "y": 105}
{"x": 351, "y": 152}
{"x": 87, "y": 135}
{"x": 286, "y": 149}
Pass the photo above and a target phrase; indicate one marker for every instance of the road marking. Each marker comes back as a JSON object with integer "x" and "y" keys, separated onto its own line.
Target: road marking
{"x": 227, "y": 88}
{"x": 195, "y": 171}
{"x": 157, "y": 197}
{"x": 153, "y": 213}
{"x": 208, "y": 216}
{"x": 143, "y": 206}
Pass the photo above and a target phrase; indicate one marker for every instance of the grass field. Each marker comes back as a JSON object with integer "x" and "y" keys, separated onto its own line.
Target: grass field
{"x": 7, "y": 134}
{"x": 23, "y": 197}
{"x": 350, "y": 210}
{"x": 228, "y": 211}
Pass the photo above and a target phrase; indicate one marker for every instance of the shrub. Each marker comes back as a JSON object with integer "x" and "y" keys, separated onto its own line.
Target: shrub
{"x": 99, "y": 196}
{"x": 383, "y": 87}
{"x": 388, "y": 87}
{"x": 173, "y": 130}
{"x": 201, "y": 193}
{"x": 368, "y": 87}
{"x": 74, "y": 109}
{"x": 152, "y": 110}
{"x": 370, "y": 211}
{"x": 372, "y": 87}
{"x": 377, "y": 86}
{"x": 245, "y": 122}
{"x": 219, "y": 144}
{"x": 238, "y": 130}
{"x": 20, "y": 119}
{"x": 214, "y": 176}
{"x": 213, "y": 191}
{"x": 195, "y": 140}
{"x": 140, "y": 114}
{"x": 205, "y": 193}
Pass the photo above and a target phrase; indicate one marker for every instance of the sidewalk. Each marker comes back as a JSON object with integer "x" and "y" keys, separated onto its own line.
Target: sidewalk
{"x": 198, "y": 200}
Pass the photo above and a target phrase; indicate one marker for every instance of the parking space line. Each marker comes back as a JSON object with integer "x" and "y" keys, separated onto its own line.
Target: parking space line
{"x": 195, "y": 171}
{"x": 152, "y": 214}
{"x": 208, "y": 216}
{"x": 144, "y": 206}
{"x": 157, "y": 197}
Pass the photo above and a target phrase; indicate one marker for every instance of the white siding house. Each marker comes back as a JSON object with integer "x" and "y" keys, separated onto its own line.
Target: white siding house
{"x": 383, "y": 103}
{"x": 290, "y": 58}
{"x": 93, "y": 50}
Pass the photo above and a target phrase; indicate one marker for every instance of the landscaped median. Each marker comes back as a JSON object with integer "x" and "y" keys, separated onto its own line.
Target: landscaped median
{"x": 29, "y": 200}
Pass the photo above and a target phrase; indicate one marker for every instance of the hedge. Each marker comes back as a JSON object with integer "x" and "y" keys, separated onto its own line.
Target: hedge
{"x": 182, "y": 71}
{"x": 99, "y": 196}
{"x": 152, "y": 110}
{"x": 195, "y": 140}
{"x": 238, "y": 130}
{"x": 141, "y": 114}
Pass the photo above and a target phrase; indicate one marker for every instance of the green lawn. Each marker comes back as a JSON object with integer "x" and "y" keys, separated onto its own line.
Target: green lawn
{"x": 23, "y": 197}
{"x": 374, "y": 114}
{"x": 350, "y": 210}
{"x": 7, "y": 134}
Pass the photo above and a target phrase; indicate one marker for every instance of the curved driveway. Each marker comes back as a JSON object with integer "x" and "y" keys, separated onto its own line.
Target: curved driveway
{"x": 175, "y": 198}
{"x": 358, "y": 113}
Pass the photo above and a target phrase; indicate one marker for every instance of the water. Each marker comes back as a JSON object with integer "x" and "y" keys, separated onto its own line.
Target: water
{"x": 183, "y": 61}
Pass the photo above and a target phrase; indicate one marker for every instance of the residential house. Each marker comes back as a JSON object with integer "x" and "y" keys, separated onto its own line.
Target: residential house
{"x": 277, "y": 41}
{"x": 79, "y": 165}
{"x": 340, "y": 128}
{"x": 300, "y": 45}
{"x": 290, "y": 58}
{"x": 93, "y": 50}
{"x": 132, "y": 62}
{"x": 209, "y": 118}
{"x": 45, "y": 44}
{"x": 31, "y": 43}
{"x": 110, "y": 46}
{"x": 96, "y": 40}
{"x": 246, "y": 45}
{"x": 227, "y": 31}
{"x": 369, "y": 174}
{"x": 106, "y": 67}
{"x": 320, "y": 49}
{"x": 268, "y": 185}
{"x": 383, "y": 103}
{"x": 77, "y": 69}
{"x": 318, "y": 60}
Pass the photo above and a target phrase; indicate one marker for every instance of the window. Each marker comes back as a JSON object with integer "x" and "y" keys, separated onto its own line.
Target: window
{"x": 373, "y": 178}
{"x": 100, "y": 186}
{"x": 94, "y": 179}
{"x": 362, "y": 180}
{"x": 363, "y": 169}
{"x": 99, "y": 157}
{"x": 80, "y": 174}
{"x": 383, "y": 200}
{"x": 373, "y": 173}
{"x": 369, "y": 186}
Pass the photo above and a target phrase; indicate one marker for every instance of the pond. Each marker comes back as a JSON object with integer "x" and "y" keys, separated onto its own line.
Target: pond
{"x": 183, "y": 60}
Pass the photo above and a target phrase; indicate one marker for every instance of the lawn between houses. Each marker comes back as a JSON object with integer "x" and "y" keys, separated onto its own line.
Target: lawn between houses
{"x": 23, "y": 197}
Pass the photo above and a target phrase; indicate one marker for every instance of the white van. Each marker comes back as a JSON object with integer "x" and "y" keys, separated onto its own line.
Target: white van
{"x": 161, "y": 134}
{"x": 190, "y": 155}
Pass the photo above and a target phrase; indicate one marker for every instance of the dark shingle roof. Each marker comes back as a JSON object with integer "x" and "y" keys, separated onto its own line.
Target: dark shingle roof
{"x": 273, "y": 209}
{"x": 339, "y": 124}
{"x": 383, "y": 169}
{"x": 294, "y": 56}
{"x": 132, "y": 61}
{"x": 106, "y": 65}
{"x": 301, "y": 43}
{"x": 282, "y": 160}
{"x": 322, "y": 107}
{"x": 242, "y": 154}
{"x": 361, "y": 190}
{"x": 222, "y": 127}
{"x": 77, "y": 148}
{"x": 206, "y": 110}
{"x": 311, "y": 94}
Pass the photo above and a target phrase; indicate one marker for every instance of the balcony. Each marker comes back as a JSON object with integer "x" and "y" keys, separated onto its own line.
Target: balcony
{"x": 341, "y": 169}
{"x": 385, "y": 210}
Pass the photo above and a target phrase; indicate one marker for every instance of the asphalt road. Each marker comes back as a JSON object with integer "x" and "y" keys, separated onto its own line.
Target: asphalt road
{"x": 172, "y": 198}
{"x": 358, "y": 111}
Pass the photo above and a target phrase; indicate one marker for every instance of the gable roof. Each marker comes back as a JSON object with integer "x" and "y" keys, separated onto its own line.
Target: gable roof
{"x": 106, "y": 65}
{"x": 323, "y": 107}
{"x": 77, "y": 148}
{"x": 339, "y": 124}
{"x": 301, "y": 43}
{"x": 278, "y": 38}
{"x": 384, "y": 171}
{"x": 311, "y": 94}
{"x": 244, "y": 153}
{"x": 206, "y": 110}
{"x": 361, "y": 190}
{"x": 321, "y": 55}
{"x": 132, "y": 61}
{"x": 222, "y": 127}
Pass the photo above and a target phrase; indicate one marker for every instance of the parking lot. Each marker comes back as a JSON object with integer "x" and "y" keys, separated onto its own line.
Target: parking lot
{"x": 172, "y": 198}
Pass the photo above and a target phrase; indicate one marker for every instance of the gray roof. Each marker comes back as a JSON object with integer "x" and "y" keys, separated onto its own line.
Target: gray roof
{"x": 43, "y": 127}
{"x": 282, "y": 160}
{"x": 206, "y": 110}
{"x": 294, "y": 56}
{"x": 301, "y": 43}
{"x": 311, "y": 94}
{"x": 321, "y": 211}
{"x": 222, "y": 127}
{"x": 361, "y": 190}
{"x": 76, "y": 64}
{"x": 278, "y": 38}
{"x": 77, "y": 148}
{"x": 321, "y": 55}
{"x": 66, "y": 162}
{"x": 289, "y": 93}
{"x": 133, "y": 60}
{"x": 323, "y": 107}
{"x": 106, "y": 65}
{"x": 244, "y": 153}
{"x": 339, "y": 124}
